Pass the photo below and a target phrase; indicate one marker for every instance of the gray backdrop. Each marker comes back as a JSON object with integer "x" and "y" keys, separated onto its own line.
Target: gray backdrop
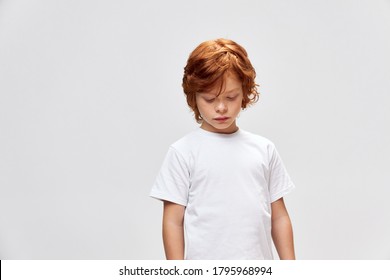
{"x": 91, "y": 98}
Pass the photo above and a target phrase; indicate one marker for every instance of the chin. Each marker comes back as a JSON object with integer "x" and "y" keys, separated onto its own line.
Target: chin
{"x": 224, "y": 126}
{"x": 220, "y": 127}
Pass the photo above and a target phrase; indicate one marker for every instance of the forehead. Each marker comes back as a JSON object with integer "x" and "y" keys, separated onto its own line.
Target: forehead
{"x": 229, "y": 84}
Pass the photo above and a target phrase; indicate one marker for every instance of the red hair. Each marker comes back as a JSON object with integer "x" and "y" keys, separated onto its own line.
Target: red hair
{"x": 208, "y": 65}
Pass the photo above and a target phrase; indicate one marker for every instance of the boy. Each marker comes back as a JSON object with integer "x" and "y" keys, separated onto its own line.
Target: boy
{"x": 223, "y": 187}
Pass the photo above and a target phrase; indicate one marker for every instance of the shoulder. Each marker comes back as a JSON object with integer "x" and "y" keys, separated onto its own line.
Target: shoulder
{"x": 187, "y": 139}
{"x": 257, "y": 139}
{"x": 259, "y": 144}
{"x": 186, "y": 143}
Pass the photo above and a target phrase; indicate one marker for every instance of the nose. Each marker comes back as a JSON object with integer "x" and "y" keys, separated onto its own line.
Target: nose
{"x": 221, "y": 107}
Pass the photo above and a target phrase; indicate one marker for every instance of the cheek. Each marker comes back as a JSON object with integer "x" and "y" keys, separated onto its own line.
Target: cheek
{"x": 201, "y": 107}
{"x": 198, "y": 104}
{"x": 239, "y": 104}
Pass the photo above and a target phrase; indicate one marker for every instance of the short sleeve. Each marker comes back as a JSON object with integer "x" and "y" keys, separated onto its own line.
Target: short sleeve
{"x": 279, "y": 183}
{"x": 172, "y": 182}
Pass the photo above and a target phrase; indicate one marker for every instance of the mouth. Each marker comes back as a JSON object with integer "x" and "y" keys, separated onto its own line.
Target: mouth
{"x": 221, "y": 119}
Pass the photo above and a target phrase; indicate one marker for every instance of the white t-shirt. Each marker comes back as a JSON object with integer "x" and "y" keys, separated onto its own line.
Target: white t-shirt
{"x": 227, "y": 183}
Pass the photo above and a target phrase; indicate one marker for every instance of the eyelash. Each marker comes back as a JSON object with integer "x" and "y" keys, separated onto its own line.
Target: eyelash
{"x": 212, "y": 100}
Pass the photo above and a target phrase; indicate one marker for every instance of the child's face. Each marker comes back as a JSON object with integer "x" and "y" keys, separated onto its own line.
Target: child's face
{"x": 219, "y": 113}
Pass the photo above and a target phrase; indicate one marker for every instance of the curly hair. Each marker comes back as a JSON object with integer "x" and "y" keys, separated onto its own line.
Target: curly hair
{"x": 208, "y": 65}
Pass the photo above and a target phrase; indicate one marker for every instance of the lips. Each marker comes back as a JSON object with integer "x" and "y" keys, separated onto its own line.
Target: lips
{"x": 221, "y": 118}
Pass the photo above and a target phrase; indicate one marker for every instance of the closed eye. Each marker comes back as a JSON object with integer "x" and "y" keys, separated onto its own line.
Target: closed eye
{"x": 209, "y": 100}
{"x": 232, "y": 97}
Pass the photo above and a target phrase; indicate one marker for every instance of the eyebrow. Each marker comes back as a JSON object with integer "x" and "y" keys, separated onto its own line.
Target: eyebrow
{"x": 227, "y": 92}
{"x": 232, "y": 90}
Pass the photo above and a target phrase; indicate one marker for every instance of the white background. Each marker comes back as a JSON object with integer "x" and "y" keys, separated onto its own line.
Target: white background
{"x": 91, "y": 98}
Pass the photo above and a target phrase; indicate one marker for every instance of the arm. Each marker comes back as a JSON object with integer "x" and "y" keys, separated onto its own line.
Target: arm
{"x": 173, "y": 231}
{"x": 282, "y": 233}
